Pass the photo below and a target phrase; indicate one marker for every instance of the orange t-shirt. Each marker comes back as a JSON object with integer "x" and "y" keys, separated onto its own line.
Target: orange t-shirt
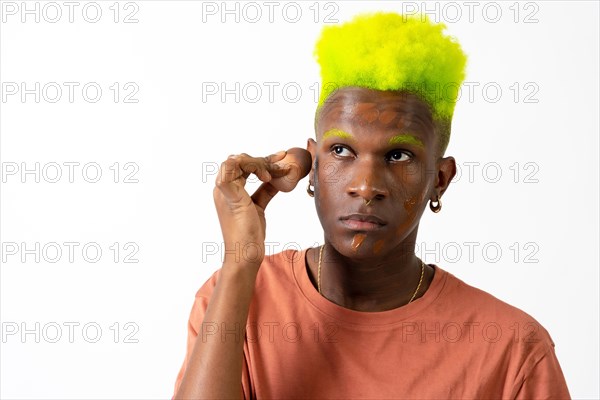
{"x": 454, "y": 342}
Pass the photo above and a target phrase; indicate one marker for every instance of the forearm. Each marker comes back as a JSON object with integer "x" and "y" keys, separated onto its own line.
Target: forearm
{"x": 214, "y": 370}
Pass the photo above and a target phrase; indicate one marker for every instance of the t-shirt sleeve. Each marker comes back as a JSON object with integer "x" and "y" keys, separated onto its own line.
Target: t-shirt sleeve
{"x": 193, "y": 327}
{"x": 545, "y": 380}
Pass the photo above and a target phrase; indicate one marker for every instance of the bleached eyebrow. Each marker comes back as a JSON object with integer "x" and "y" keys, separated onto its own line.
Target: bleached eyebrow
{"x": 338, "y": 133}
{"x": 406, "y": 139}
{"x": 398, "y": 139}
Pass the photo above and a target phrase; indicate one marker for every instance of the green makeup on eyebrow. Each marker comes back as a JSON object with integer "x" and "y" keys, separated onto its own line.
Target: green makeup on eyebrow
{"x": 338, "y": 133}
{"x": 406, "y": 139}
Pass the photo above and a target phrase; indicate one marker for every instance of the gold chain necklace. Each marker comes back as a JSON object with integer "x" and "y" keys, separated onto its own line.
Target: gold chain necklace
{"x": 319, "y": 275}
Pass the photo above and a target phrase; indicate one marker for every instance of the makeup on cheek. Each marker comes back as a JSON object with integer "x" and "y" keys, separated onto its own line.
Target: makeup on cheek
{"x": 409, "y": 204}
{"x": 377, "y": 246}
{"x": 406, "y": 224}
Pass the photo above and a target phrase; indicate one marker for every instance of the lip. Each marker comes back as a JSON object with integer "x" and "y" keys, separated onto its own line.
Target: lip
{"x": 365, "y": 222}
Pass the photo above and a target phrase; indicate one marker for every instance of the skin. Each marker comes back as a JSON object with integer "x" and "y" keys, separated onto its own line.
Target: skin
{"x": 383, "y": 147}
{"x": 367, "y": 271}
{"x": 243, "y": 225}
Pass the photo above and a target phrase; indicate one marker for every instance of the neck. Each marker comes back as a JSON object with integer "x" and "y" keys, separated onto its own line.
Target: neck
{"x": 369, "y": 284}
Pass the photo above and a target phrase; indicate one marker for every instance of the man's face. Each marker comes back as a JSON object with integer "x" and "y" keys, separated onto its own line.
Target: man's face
{"x": 378, "y": 146}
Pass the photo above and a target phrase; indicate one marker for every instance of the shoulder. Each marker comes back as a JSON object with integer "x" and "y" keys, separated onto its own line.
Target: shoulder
{"x": 278, "y": 269}
{"x": 468, "y": 299}
{"x": 495, "y": 324}
{"x": 498, "y": 320}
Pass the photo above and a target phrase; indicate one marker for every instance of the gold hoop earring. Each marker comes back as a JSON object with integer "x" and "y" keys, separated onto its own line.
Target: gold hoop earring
{"x": 310, "y": 192}
{"x": 435, "y": 208}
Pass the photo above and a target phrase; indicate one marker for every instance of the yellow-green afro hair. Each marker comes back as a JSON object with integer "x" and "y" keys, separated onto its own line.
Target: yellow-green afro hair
{"x": 389, "y": 51}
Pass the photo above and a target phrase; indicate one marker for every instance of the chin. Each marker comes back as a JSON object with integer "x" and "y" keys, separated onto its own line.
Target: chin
{"x": 359, "y": 245}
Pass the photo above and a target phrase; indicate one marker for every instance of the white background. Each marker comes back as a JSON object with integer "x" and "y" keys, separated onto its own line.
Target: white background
{"x": 174, "y": 139}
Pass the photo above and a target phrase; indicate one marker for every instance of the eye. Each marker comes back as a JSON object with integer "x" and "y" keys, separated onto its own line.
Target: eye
{"x": 339, "y": 150}
{"x": 399, "y": 155}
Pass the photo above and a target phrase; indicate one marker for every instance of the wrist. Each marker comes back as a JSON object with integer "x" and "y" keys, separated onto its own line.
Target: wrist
{"x": 243, "y": 253}
{"x": 240, "y": 270}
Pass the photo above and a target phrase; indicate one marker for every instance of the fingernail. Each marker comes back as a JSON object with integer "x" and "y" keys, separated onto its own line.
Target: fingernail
{"x": 278, "y": 153}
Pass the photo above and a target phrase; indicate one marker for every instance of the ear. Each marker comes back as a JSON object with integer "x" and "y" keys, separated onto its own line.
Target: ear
{"x": 446, "y": 172}
{"x": 311, "y": 146}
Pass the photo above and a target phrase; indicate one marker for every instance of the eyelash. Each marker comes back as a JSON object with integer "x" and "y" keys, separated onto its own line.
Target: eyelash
{"x": 408, "y": 153}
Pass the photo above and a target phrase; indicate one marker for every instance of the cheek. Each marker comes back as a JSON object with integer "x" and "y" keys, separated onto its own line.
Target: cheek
{"x": 411, "y": 192}
{"x": 409, "y": 204}
{"x": 331, "y": 179}
{"x": 407, "y": 185}
{"x": 329, "y": 190}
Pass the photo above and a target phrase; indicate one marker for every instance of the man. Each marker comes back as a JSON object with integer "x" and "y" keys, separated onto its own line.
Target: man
{"x": 360, "y": 316}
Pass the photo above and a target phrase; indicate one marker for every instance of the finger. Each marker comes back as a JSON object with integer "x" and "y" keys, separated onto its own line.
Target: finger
{"x": 256, "y": 166}
{"x": 280, "y": 155}
{"x": 278, "y": 170}
{"x": 243, "y": 165}
{"x": 231, "y": 180}
{"x": 228, "y": 171}
{"x": 264, "y": 194}
{"x": 234, "y": 172}
{"x": 263, "y": 167}
{"x": 271, "y": 164}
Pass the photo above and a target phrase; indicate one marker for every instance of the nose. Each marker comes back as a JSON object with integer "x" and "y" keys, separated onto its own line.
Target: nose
{"x": 367, "y": 181}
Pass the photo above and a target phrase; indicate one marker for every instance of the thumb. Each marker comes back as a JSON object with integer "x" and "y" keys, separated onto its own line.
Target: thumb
{"x": 264, "y": 194}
